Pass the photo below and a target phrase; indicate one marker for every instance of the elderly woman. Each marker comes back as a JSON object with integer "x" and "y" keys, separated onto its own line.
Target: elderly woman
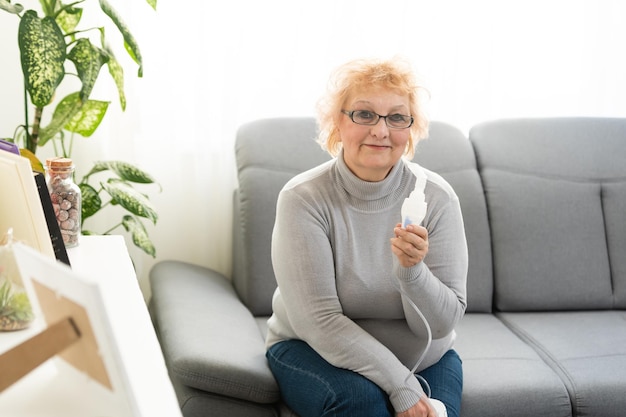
{"x": 366, "y": 305}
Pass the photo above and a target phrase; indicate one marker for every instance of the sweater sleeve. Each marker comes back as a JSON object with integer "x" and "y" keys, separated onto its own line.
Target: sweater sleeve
{"x": 438, "y": 284}
{"x": 303, "y": 262}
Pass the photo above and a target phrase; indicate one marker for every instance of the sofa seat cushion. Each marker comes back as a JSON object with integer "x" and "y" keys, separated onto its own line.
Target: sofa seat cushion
{"x": 586, "y": 349}
{"x": 200, "y": 403}
{"x": 211, "y": 340}
{"x": 503, "y": 375}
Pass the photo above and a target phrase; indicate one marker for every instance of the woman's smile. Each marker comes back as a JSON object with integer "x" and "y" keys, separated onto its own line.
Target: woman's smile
{"x": 377, "y": 147}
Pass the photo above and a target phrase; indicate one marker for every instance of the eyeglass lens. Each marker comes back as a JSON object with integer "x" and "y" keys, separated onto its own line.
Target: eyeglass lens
{"x": 366, "y": 117}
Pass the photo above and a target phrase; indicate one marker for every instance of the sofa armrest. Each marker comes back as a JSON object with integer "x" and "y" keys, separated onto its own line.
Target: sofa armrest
{"x": 209, "y": 338}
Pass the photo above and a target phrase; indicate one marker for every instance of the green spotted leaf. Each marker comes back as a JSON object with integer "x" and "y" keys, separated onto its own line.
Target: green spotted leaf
{"x": 88, "y": 60}
{"x": 91, "y": 201}
{"x": 126, "y": 196}
{"x": 63, "y": 113}
{"x": 117, "y": 73}
{"x": 87, "y": 118}
{"x": 69, "y": 18}
{"x": 17, "y": 8}
{"x": 129, "y": 40}
{"x": 42, "y": 50}
{"x": 139, "y": 234}
{"x": 124, "y": 170}
{"x": 98, "y": 166}
{"x": 74, "y": 115}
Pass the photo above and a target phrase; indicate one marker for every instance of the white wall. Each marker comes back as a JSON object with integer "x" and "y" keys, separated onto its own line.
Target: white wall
{"x": 213, "y": 67}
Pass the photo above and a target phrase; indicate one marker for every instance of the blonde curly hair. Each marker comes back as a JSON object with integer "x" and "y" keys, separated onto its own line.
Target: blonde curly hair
{"x": 394, "y": 74}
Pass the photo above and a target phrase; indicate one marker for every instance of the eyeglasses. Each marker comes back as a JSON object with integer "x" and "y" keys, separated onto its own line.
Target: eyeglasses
{"x": 369, "y": 118}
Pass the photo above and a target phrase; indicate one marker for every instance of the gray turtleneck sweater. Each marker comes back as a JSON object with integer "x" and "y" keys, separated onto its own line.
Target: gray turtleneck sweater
{"x": 334, "y": 266}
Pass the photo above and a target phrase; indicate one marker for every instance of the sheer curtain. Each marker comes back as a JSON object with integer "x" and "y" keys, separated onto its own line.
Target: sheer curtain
{"x": 215, "y": 65}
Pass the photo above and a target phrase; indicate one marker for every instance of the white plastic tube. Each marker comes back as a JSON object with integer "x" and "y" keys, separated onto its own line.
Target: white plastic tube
{"x": 413, "y": 211}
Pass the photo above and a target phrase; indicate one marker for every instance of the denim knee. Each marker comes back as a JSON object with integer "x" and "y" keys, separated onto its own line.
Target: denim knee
{"x": 310, "y": 386}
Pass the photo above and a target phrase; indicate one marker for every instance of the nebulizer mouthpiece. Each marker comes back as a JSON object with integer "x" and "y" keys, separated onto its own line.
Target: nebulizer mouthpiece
{"x": 414, "y": 207}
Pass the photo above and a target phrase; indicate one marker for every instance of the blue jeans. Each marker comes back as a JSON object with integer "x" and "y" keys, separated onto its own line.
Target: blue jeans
{"x": 312, "y": 387}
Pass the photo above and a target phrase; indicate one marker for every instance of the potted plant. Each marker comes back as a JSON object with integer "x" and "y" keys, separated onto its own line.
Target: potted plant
{"x": 15, "y": 310}
{"x": 54, "y": 48}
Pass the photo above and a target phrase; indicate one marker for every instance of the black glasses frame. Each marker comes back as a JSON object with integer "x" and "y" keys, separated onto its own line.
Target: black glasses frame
{"x": 350, "y": 114}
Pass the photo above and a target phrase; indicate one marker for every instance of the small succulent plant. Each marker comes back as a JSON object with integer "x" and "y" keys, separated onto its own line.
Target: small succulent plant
{"x": 15, "y": 309}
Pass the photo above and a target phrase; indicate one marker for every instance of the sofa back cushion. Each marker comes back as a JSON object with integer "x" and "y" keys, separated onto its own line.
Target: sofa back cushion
{"x": 268, "y": 153}
{"x": 448, "y": 152}
{"x": 556, "y": 196}
{"x": 271, "y": 151}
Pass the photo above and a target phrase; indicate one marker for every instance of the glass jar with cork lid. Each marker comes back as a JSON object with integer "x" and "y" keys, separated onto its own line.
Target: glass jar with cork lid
{"x": 66, "y": 198}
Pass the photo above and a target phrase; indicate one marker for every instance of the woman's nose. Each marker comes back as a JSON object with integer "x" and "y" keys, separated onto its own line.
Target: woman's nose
{"x": 380, "y": 129}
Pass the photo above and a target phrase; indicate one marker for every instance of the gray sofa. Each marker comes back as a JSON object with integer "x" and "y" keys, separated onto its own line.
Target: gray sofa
{"x": 544, "y": 204}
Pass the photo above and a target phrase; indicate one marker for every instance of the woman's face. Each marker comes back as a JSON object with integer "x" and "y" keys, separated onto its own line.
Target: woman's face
{"x": 371, "y": 151}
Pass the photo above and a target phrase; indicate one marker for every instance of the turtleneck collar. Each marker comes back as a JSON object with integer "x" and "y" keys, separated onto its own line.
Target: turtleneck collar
{"x": 379, "y": 193}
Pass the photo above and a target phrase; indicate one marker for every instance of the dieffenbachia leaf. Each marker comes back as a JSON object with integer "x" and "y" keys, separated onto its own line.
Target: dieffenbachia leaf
{"x": 63, "y": 113}
{"x": 139, "y": 234}
{"x": 14, "y": 8}
{"x": 117, "y": 73}
{"x": 91, "y": 201}
{"x": 42, "y": 50}
{"x": 126, "y": 196}
{"x": 124, "y": 170}
{"x": 74, "y": 115}
{"x": 129, "y": 40}
{"x": 87, "y": 118}
{"x": 88, "y": 60}
{"x": 69, "y": 18}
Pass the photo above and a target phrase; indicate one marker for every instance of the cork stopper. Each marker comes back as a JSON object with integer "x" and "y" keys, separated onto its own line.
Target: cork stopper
{"x": 58, "y": 162}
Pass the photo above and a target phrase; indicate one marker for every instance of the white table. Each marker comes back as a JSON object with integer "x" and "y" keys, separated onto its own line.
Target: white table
{"x": 55, "y": 389}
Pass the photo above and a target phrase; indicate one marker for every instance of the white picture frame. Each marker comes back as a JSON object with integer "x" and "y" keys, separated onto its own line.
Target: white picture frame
{"x": 88, "y": 378}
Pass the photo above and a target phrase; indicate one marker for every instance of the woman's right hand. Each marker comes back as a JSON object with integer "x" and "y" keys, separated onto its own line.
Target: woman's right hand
{"x": 421, "y": 409}
{"x": 410, "y": 245}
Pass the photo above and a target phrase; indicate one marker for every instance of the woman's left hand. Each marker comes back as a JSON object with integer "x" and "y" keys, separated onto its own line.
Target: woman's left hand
{"x": 410, "y": 245}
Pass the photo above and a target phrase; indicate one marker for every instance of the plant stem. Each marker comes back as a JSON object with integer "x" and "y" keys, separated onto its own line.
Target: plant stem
{"x": 113, "y": 228}
{"x": 61, "y": 140}
{"x": 54, "y": 146}
{"x": 68, "y": 6}
{"x": 34, "y": 137}
{"x": 69, "y": 153}
{"x": 27, "y": 140}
